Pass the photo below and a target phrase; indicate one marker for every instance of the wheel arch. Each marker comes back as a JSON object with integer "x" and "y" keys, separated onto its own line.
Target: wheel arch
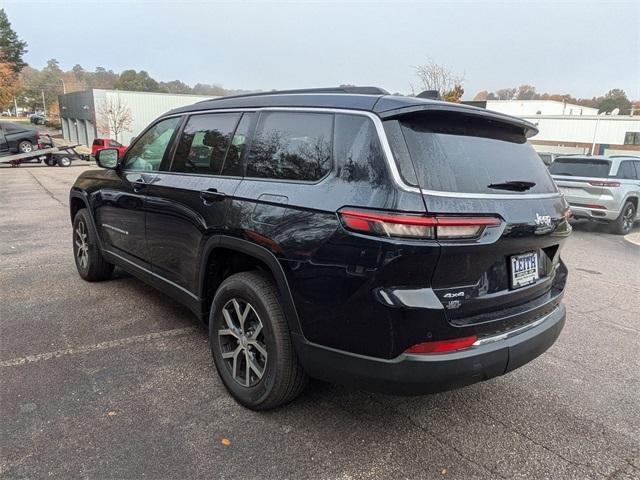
{"x": 76, "y": 203}
{"x": 633, "y": 199}
{"x": 259, "y": 257}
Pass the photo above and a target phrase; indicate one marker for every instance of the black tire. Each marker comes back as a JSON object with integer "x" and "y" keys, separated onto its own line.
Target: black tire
{"x": 282, "y": 377}
{"x": 624, "y": 223}
{"x": 63, "y": 161}
{"x": 50, "y": 162}
{"x": 91, "y": 265}
{"x": 25, "y": 146}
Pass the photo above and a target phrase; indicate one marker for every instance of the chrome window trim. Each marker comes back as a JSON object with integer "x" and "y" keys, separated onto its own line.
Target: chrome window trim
{"x": 386, "y": 148}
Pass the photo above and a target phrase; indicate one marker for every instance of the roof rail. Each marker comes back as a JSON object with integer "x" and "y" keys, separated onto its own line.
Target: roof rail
{"x": 624, "y": 156}
{"x": 346, "y": 89}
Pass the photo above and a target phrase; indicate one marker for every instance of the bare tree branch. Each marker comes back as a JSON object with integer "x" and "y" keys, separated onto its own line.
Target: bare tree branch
{"x": 432, "y": 76}
{"x": 114, "y": 116}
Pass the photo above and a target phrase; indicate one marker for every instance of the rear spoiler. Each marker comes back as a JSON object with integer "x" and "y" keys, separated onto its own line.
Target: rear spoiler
{"x": 529, "y": 128}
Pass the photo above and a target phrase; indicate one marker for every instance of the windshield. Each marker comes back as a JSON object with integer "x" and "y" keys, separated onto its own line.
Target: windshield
{"x": 580, "y": 167}
{"x": 459, "y": 153}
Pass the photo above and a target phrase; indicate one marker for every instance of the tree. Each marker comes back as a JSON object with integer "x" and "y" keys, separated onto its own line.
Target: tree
{"x": 8, "y": 85}
{"x": 481, "y": 96}
{"x": 454, "y": 95}
{"x": 206, "y": 89}
{"x": 506, "y": 93}
{"x": 437, "y": 77}
{"x": 114, "y": 116}
{"x": 526, "y": 92}
{"x": 136, "y": 81}
{"x": 174, "y": 86}
{"x": 615, "y": 98}
{"x": 11, "y": 47}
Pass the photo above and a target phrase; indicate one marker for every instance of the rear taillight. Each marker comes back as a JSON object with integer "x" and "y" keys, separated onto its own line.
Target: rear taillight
{"x": 414, "y": 226}
{"x": 604, "y": 183}
{"x": 442, "y": 346}
{"x": 596, "y": 207}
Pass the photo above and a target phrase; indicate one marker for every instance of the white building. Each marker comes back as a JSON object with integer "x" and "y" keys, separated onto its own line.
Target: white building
{"x": 522, "y": 108}
{"x": 597, "y": 134}
{"x": 81, "y": 112}
{"x": 569, "y": 128}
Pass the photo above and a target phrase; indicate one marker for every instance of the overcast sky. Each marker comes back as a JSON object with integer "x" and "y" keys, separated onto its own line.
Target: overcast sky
{"x": 582, "y": 48}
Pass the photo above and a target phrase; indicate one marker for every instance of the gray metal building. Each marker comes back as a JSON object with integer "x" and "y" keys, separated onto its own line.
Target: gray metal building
{"x": 80, "y": 112}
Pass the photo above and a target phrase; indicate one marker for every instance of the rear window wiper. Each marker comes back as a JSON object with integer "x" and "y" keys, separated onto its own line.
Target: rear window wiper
{"x": 513, "y": 185}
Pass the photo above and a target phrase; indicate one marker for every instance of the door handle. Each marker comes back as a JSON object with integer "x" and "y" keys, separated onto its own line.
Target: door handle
{"x": 139, "y": 185}
{"x": 211, "y": 195}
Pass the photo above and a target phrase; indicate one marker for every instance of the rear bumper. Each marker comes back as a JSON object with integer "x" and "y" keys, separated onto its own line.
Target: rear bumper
{"x": 420, "y": 374}
{"x": 593, "y": 214}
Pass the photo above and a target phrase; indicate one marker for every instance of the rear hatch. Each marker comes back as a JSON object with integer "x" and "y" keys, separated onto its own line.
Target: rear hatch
{"x": 472, "y": 166}
{"x": 580, "y": 178}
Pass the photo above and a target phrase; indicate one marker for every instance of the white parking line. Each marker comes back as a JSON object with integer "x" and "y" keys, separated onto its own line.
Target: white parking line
{"x": 97, "y": 346}
{"x": 633, "y": 238}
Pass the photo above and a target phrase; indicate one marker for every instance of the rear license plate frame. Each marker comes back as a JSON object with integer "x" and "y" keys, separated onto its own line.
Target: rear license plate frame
{"x": 524, "y": 269}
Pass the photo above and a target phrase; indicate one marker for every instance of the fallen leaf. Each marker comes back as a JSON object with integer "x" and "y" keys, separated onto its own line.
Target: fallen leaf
{"x": 112, "y": 414}
{"x": 226, "y": 442}
{"x": 444, "y": 471}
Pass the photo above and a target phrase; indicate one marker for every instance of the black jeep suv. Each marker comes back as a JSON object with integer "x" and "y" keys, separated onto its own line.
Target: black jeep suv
{"x": 391, "y": 243}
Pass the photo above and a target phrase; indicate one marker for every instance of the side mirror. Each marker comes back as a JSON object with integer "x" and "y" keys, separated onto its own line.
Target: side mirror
{"x": 107, "y": 158}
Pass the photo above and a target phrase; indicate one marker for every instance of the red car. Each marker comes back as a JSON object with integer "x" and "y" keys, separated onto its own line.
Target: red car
{"x": 102, "y": 143}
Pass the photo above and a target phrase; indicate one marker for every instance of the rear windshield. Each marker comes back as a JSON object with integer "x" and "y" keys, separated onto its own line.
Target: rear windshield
{"x": 580, "y": 167}
{"x": 457, "y": 153}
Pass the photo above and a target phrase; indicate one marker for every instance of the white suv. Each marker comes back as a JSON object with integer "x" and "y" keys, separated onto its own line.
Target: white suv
{"x": 601, "y": 189}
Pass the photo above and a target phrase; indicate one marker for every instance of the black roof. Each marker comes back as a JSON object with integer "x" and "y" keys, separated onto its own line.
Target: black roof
{"x": 371, "y": 99}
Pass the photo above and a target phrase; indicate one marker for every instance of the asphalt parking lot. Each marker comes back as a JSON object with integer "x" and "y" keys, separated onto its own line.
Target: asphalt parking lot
{"x": 114, "y": 380}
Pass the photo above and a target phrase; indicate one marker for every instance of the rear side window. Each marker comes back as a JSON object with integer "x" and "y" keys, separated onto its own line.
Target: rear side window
{"x": 580, "y": 167}
{"x": 204, "y": 143}
{"x": 464, "y": 154}
{"x": 357, "y": 150}
{"x": 291, "y": 146}
{"x": 99, "y": 142}
{"x": 626, "y": 171}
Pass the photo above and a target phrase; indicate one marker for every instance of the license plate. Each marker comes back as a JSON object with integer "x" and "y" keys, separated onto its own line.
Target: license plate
{"x": 524, "y": 269}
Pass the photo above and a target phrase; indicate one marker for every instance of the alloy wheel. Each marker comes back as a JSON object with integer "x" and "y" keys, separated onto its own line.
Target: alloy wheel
{"x": 242, "y": 342}
{"x": 82, "y": 247}
{"x": 627, "y": 218}
{"x": 26, "y": 147}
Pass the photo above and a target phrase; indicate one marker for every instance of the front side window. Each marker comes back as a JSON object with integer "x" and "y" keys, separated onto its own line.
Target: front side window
{"x": 114, "y": 144}
{"x": 464, "y": 154}
{"x": 204, "y": 143}
{"x": 232, "y": 163}
{"x": 291, "y": 146}
{"x": 147, "y": 152}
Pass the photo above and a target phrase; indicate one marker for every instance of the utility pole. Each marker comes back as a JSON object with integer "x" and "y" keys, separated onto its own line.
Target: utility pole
{"x": 595, "y": 131}
{"x": 15, "y": 104}
{"x": 44, "y": 105}
{"x": 64, "y": 87}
